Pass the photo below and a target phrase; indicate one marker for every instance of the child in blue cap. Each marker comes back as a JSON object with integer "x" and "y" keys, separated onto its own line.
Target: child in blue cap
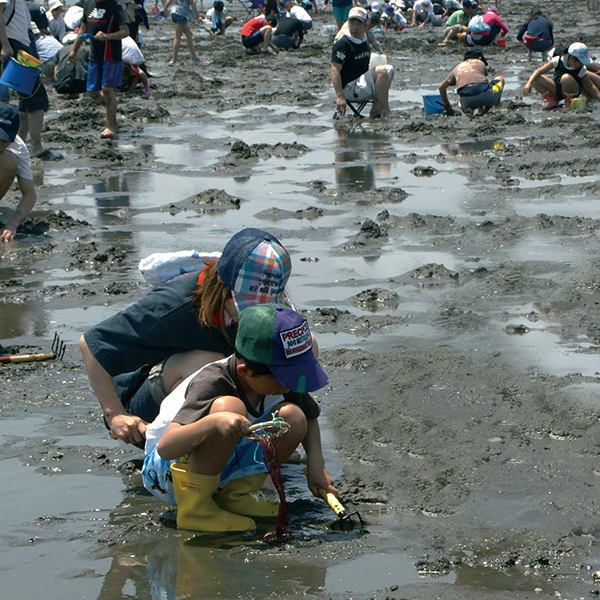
{"x": 199, "y": 438}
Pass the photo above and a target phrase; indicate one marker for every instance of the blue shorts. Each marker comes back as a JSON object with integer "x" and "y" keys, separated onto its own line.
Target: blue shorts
{"x": 178, "y": 19}
{"x": 249, "y": 41}
{"x": 247, "y": 459}
{"x": 341, "y": 12}
{"x": 104, "y": 74}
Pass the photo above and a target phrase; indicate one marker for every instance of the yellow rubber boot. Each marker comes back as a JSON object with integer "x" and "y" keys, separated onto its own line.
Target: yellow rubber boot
{"x": 235, "y": 497}
{"x": 196, "y": 509}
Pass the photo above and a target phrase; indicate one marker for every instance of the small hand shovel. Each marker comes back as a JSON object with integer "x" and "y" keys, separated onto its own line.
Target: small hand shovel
{"x": 344, "y": 522}
{"x": 58, "y": 351}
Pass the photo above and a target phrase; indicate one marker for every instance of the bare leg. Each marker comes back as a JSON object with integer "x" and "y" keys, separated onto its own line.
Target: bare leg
{"x": 190, "y": 41}
{"x": 177, "y": 40}
{"x": 110, "y": 97}
{"x": 24, "y": 126}
{"x": 383, "y": 80}
{"x": 97, "y": 97}
{"x": 35, "y": 120}
{"x": 544, "y": 85}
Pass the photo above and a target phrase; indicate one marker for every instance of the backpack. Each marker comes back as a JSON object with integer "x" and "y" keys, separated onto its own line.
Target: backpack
{"x": 71, "y": 78}
{"x": 477, "y": 25}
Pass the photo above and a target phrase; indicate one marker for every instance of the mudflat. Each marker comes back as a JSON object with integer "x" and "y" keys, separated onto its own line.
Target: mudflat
{"x": 448, "y": 266}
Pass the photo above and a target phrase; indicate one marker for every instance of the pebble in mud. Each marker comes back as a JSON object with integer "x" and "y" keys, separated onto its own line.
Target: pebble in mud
{"x": 424, "y": 171}
{"x": 516, "y": 329}
{"x": 373, "y": 298}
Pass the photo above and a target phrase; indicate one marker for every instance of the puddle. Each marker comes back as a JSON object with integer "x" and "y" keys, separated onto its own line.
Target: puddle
{"x": 384, "y": 570}
{"x": 131, "y": 209}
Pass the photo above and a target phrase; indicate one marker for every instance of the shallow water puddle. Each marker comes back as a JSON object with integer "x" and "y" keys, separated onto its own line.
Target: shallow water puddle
{"x": 384, "y": 570}
{"x": 55, "y": 570}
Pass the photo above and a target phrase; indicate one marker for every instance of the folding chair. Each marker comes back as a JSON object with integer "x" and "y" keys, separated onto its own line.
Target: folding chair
{"x": 357, "y": 106}
{"x": 252, "y": 5}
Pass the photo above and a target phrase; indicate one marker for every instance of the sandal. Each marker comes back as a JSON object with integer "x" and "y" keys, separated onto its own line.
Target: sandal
{"x": 108, "y": 134}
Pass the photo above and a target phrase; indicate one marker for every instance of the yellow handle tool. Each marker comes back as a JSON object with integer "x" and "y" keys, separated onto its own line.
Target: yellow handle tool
{"x": 336, "y": 506}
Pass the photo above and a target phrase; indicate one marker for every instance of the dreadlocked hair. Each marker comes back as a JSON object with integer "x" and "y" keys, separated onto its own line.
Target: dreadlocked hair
{"x": 209, "y": 300}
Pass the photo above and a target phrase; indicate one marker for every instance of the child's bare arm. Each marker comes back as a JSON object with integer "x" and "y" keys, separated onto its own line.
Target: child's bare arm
{"x": 317, "y": 475}
{"x": 537, "y": 73}
{"x": 179, "y": 440}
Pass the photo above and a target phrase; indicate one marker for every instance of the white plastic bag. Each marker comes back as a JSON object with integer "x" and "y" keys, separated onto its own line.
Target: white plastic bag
{"x": 160, "y": 267}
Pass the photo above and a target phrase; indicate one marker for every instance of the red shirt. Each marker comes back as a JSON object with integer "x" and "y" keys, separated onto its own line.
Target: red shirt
{"x": 253, "y": 25}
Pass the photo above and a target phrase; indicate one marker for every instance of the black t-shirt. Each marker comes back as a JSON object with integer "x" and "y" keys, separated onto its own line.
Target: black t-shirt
{"x": 106, "y": 16}
{"x": 159, "y": 325}
{"x": 289, "y": 26}
{"x": 220, "y": 379}
{"x": 38, "y": 16}
{"x": 354, "y": 58}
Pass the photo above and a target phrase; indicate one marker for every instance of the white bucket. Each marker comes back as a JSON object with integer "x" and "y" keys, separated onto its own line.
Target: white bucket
{"x": 377, "y": 59}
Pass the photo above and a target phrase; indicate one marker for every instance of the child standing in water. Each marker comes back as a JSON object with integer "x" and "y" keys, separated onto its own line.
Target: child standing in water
{"x": 181, "y": 12}
{"x": 570, "y": 78}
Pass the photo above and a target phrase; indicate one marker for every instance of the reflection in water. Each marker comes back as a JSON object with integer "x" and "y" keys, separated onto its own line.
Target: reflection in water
{"x": 29, "y": 319}
{"x": 469, "y": 148}
{"x": 105, "y": 197}
{"x": 511, "y": 579}
{"x": 182, "y": 567}
{"x": 357, "y": 150}
{"x": 38, "y": 177}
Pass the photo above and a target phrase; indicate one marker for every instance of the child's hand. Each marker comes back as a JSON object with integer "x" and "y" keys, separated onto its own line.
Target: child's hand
{"x": 232, "y": 426}
{"x": 318, "y": 477}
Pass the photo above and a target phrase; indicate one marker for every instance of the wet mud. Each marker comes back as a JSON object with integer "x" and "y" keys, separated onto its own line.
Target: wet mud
{"x": 449, "y": 267}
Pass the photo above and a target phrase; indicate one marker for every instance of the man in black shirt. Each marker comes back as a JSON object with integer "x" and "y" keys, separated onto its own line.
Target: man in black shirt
{"x": 350, "y": 74}
{"x": 289, "y": 33}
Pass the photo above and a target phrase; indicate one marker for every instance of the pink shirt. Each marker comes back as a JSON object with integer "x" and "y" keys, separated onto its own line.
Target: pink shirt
{"x": 491, "y": 18}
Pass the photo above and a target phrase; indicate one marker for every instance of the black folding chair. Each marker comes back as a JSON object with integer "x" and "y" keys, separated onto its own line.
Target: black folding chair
{"x": 357, "y": 106}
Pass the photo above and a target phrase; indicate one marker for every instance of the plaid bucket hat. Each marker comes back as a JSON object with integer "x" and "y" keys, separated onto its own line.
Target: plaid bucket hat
{"x": 256, "y": 267}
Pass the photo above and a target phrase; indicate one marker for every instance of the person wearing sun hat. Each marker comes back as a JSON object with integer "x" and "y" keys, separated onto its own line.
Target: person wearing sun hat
{"x": 56, "y": 21}
{"x": 424, "y": 14}
{"x": 14, "y": 162}
{"x": 197, "y": 452}
{"x": 569, "y": 81}
{"x": 350, "y": 74}
{"x": 136, "y": 357}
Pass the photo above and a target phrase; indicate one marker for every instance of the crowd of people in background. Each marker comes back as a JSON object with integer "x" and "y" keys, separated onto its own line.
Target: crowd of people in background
{"x": 93, "y": 47}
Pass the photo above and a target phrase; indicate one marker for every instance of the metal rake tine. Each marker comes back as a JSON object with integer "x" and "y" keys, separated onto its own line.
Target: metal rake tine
{"x": 58, "y": 347}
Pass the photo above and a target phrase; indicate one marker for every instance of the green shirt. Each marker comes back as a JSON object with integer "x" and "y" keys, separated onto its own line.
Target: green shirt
{"x": 457, "y": 18}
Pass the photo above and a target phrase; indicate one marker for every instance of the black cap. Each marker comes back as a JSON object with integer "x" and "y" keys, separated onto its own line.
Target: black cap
{"x": 9, "y": 122}
{"x": 475, "y": 53}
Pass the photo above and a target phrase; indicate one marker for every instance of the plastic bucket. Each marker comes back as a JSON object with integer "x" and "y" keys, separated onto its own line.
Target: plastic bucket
{"x": 432, "y": 103}
{"x": 18, "y": 77}
{"x": 501, "y": 42}
{"x": 377, "y": 59}
{"x": 29, "y": 61}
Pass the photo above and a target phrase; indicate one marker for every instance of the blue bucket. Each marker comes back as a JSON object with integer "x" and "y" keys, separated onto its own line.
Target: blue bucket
{"x": 19, "y": 77}
{"x": 432, "y": 103}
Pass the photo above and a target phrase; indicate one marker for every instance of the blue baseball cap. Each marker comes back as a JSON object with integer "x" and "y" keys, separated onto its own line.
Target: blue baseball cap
{"x": 9, "y": 122}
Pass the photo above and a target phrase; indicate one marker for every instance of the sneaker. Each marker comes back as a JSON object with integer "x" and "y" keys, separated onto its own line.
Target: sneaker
{"x": 196, "y": 61}
{"x": 171, "y": 62}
